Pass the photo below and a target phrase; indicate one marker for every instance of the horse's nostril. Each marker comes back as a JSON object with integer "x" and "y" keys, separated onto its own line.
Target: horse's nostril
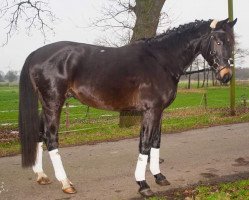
{"x": 226, "y": 78}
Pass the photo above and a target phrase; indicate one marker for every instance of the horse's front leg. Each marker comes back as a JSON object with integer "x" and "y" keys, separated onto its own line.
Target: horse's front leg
{"x": 150, "y": 137}
{"x": 155, "y": 160}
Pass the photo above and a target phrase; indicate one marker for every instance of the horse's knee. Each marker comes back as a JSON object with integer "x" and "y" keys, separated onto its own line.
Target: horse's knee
{"x": 145, "y": 146}
{"x": 156, "y": 142}
{"x": 145, "y": 150}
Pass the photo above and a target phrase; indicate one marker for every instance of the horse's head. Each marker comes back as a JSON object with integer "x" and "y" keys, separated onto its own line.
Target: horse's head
{"x": 217, "y": 49}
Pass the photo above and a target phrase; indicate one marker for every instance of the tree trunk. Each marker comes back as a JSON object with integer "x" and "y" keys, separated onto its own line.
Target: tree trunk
{"x": 189, "y": 77}
{"x": 147, "y": 18}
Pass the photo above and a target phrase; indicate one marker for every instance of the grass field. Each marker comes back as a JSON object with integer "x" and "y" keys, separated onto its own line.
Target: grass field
{"x": 217, "y": 97}
{"x": 238, "y": 190}
{"x": 186, "y": 112}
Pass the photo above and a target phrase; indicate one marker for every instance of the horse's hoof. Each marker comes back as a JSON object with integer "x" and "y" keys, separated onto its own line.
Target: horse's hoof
{"x": 44, "y": 181}
{"x": 67, "y": 186}
{"x": 147, "y": 192}
{"x": 144, "y": 189}
{"x": 69, "y": 190}
{"x": 161, "y": 180}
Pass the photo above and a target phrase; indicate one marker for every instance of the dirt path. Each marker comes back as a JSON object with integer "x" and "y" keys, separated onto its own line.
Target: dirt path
{"x": 106, "y": 170}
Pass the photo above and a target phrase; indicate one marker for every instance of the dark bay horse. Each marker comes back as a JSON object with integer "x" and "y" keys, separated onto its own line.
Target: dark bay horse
{"x": 142, "y": 76}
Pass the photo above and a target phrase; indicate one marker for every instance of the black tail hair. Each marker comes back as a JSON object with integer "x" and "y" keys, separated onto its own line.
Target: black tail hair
{"x": 28, "y": 117}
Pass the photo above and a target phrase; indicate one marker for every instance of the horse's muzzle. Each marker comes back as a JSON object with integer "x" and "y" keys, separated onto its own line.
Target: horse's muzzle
{"x": 225, "y": 74}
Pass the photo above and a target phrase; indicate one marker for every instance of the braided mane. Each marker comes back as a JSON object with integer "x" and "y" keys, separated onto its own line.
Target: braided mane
{"x": 185, "y": 28}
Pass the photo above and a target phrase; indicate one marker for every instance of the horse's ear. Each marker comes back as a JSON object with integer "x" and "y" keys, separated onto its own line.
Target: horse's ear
{"x": 231, "y": 24}
{"x": 221, "y": 24}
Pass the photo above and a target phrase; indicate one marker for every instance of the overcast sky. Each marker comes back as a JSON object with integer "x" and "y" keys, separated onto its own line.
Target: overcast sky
{"x": 75, "y": 13}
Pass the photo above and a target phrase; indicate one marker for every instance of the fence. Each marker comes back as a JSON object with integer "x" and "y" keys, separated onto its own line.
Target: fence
{"x": 80, "y": 118}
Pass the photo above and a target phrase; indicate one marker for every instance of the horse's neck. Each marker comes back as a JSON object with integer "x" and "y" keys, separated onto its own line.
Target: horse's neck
{"x": 176, "y": 54}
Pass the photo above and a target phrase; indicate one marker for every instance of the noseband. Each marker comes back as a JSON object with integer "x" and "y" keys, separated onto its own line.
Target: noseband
{"x": 215, "y": 65}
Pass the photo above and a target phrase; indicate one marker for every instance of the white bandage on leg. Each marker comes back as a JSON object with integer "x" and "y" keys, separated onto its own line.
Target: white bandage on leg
{"x": 154, "y": 161}
{"x": 141, "y": 167}
{"x": 37, "y": 168}
{"x": 60, "y": 173}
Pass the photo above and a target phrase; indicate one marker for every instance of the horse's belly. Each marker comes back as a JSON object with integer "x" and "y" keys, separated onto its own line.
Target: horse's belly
{"x": 107, "y": 99}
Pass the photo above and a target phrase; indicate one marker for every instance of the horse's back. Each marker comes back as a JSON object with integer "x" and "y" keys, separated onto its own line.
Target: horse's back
{"x": 103, "y": 77}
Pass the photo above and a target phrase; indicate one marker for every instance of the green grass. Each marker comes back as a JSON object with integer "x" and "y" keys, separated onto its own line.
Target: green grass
{"x": 216, "y": 97}
{"x": 225, "y": 191}
{"x": 186, "y": 112}
{"x": 238, "y": 190}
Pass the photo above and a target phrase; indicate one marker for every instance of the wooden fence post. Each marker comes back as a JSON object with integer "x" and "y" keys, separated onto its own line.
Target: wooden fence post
{"x": 67, "y": 116}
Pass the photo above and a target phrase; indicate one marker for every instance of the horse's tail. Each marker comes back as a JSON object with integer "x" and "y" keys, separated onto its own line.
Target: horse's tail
{"x": 28, "y": 117}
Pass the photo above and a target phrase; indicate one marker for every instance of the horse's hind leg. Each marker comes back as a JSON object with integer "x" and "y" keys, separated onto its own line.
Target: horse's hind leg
{"x": 52, "y": 109}
{"x": 42, "y": 178}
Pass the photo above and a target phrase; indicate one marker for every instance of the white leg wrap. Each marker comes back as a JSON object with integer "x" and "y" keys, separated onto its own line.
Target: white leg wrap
{"x": 141, "y": 167}
{"x": 154, "y": 161}
{"x": 37, "y": 168}
{"x": 60, "y": 173}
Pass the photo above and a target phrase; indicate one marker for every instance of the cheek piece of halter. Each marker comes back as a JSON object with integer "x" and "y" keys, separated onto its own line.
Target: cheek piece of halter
{"x": 215, "y": 60}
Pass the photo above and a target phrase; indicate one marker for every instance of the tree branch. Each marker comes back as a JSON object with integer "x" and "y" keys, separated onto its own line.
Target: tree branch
{"x": 34, "y": 13}
{"x": 117, "y": 17}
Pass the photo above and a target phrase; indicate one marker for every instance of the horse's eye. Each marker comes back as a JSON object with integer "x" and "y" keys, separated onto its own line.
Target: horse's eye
{"x": 219, "y": 43}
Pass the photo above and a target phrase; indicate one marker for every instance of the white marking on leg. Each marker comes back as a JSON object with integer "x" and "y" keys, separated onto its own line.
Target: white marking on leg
{"x": 55, "y": 157}
{"x": 141, "y": 167}
{"x": 154, "y": 161}
{"x": 37, "y": 168}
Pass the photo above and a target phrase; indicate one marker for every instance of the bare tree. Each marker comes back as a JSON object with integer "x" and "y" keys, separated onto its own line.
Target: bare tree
{"x": 130, "y": 20}
{"x": 35, "y": 14}
{"x": 11, "y": 76}
{"x": 117, "y": 17}
{"x": 1, "y": 76}
{"x": 240, "y": 54}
